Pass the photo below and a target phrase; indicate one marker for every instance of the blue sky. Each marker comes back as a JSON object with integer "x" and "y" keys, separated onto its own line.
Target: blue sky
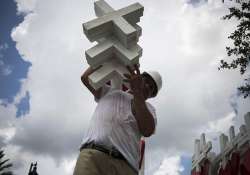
{"x": 186, "y": 162}
{"x": 13, "y": 67}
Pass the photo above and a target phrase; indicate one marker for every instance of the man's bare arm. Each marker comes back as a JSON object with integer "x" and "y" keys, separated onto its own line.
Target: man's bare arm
{"x": 143, "y": 116}
{"x": 85, "y": 81}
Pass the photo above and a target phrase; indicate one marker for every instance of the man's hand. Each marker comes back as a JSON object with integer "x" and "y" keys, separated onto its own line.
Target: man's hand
{"x": 85, "y": 81}
{"x": 89, "y": 71}
{"x": 136, "y": 81}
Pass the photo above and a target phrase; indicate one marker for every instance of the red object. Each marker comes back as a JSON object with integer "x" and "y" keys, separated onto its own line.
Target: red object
{"x": 124, "y": 88}
{"x": 245, "y": 166}
{"x": 195, "y": 173}
{"x": 227, "y": 170}
{"x": 142, "y": 149}
{"x": 235, "y": 163}
{"x": 204, "y": 169}
{"x": 232, "y": 166}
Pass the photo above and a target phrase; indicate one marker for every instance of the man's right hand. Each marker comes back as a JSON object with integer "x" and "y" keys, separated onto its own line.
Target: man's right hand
{"x": 85, "y": 81}
{"x": 89, "y": 71}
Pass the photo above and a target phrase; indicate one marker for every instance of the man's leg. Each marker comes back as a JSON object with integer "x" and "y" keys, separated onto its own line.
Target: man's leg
{"x": 93, "y": 162}
{"x": 122, "y": 167}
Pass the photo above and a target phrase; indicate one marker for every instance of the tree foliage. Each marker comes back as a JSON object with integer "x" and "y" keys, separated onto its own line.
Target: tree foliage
{"x": 4, "y": 165}
{"x": 240, "y": 52}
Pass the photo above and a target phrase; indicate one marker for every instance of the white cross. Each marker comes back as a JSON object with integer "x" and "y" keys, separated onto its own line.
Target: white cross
{"x": 121, "y": 23}
{"x": 112, "y": 48}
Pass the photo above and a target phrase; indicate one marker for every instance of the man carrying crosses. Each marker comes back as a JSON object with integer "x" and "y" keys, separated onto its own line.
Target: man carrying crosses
{"x": 111, "y": 144}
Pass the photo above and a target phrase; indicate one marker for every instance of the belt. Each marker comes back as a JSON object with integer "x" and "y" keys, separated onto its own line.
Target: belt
{"x": 112, "y": 152}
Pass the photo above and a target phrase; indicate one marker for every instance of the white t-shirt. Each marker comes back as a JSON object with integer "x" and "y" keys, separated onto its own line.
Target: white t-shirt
{"x": 114, "y": 125}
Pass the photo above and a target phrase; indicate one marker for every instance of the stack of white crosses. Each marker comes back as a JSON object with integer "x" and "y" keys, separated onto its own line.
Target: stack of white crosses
{"x": 239, "y": 142}
{"x": 116, "y": 33}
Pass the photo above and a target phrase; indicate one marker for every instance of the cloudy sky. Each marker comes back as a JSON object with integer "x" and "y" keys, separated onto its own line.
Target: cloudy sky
{"x": 45, "y": 110}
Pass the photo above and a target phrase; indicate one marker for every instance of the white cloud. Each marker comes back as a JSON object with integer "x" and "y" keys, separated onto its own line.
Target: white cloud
{"x": 6, "y": 71}
{"x": 7, "y": 124}
{"x": 7, "y": 133}
{"x": 46, "y": 165}
{"x": 4, "y": 46}
{"x": 170, "y": 166}
{"x": 26, "y": 6}
{"x": 163, "y": 161}
{"x": 4, "y": 68}
{"x": 182, "y": 42}
{"x": 222, "y": 124}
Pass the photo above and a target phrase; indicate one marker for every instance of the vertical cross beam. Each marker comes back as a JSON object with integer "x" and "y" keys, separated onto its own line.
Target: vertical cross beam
{"x": 231, "y": 133}
{"x": 197, "y": 152}
{"x": 197, "y": 148}
{"x": 223, "y": 142}
{"x": 243, "y": 129}
{"x": 102, "y": 8}
{"x": 203, "y": 141}
{"x": 247, "y": 122}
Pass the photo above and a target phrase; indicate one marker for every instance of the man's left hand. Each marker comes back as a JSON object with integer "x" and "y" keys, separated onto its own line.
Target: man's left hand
{"x": 136, "y": 81}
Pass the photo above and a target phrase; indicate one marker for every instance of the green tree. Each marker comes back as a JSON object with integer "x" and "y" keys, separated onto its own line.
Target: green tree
{"x": 4, "y": 165}
{"x": 240, "y": 52}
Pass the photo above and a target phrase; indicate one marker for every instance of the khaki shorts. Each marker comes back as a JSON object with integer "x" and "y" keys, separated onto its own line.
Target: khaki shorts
{"x": 93, "y": 162}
